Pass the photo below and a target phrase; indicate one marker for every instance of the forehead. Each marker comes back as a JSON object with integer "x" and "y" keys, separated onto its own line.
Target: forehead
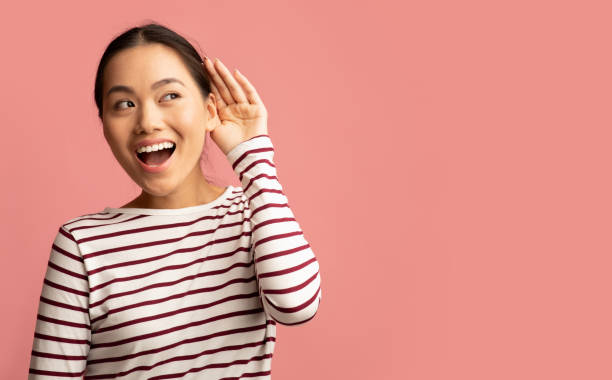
{"x": 138, "y": 67}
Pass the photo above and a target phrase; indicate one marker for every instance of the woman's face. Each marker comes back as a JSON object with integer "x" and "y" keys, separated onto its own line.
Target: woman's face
{"x": 172, "y": 111}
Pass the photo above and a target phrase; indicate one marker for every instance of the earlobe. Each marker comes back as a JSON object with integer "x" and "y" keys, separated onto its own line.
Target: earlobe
{"x": 209, "y": 104}
{"x": 213, "y": 123}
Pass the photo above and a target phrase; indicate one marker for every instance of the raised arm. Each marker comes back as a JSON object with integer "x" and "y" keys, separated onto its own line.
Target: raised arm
{"x": 63, "y": 334}
{"x": 286, "y": 267}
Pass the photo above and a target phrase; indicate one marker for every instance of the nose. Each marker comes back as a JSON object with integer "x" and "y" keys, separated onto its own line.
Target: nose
{"x": 149, "y": 119}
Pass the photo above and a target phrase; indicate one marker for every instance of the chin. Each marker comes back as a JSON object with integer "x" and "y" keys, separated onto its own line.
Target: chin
{"x": 156, "y": 186}
{"x": 158, "y": 190}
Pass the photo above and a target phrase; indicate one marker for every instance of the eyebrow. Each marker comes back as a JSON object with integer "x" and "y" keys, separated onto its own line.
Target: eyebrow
{"x": 128, "y": 89}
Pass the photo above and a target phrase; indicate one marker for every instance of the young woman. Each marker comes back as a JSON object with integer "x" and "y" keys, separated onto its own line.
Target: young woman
{"x": 187, "y": 280}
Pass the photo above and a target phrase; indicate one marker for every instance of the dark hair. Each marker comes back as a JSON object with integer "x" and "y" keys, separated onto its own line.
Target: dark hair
{"x": 148, "y": 34}
{"x": 157, "y": 33}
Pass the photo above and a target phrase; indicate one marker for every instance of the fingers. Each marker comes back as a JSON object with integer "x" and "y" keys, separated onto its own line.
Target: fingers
{"x": 221, "y": 91}
{"x": 248, "y": 88}
{"x": 220, "y": 102}
{"x": 229, "y": 89}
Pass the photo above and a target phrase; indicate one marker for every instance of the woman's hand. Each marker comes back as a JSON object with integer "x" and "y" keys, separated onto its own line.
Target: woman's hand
{"x": 241, "y": 112}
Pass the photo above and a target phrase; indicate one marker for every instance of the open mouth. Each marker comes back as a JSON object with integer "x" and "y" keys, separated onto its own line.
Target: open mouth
{"x": 156, "y": 158}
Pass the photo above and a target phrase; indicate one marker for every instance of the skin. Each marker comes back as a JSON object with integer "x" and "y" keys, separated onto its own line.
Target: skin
{"x": 233, "y": 113}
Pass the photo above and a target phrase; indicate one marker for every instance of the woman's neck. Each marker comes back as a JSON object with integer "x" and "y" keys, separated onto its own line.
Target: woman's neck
{"x": 195, "y": 190}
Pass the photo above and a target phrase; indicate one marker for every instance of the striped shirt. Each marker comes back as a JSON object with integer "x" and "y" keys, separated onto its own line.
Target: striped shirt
{"x": 194, "y": 292}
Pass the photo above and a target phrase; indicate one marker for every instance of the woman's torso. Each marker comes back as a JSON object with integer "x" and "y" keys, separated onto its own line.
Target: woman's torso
{"x": 174, "y": 294}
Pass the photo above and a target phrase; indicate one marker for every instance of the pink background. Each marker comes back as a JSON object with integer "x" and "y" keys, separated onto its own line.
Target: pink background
{"x": 448, "y": 161}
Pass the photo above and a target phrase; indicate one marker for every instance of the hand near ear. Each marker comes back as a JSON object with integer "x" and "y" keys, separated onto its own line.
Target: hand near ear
{"x": 241, "y": 112}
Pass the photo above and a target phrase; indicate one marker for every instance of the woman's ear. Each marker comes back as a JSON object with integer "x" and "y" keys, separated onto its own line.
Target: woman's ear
{"x": 213, "y": 120}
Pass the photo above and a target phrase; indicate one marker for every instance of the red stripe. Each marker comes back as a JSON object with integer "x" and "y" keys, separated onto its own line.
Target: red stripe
{"x": 62, "y": 322}
{"x": 264, "y": 190}
{"x": 55, "y": 373}
{"x": 268, "y": 205}
{"x": 272, "y": 177}
{"x": 66, "y": 253}
{"x": 272, "y": 221}
{"x": 214, "y": 365}
{"x": 65, "y": 288}
{"x": 297, "y": 308}
{"x": 288, "y": 270}
{"x": 60, "y": 339}
{"x": 249, "y": 374}
{"x": 293, "y": 288}
{"x": 298, "y": 322}
{"x": 66, "y": 271}
{"x": 108, "y": 224}
{"x": 57, "y": 356}
{"x": 63, "y": 305}
{"x": 66, "y": 234}
{"x": 89, "y": 217}
{"x": 282, "y": 253}
{"x": 276, "y": 237}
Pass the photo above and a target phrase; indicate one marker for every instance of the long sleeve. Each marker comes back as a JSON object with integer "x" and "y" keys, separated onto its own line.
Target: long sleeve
{"x": 63, "y": 334}
{"x": 286, "y": 268}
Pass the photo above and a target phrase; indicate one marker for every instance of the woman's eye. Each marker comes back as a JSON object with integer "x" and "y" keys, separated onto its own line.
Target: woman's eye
{"x": 172, "y": 93}
{"x": 121, "y": 101}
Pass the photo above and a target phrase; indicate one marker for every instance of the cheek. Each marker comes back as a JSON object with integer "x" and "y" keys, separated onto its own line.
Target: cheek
{"x": 189, "y": 122}
{"x": 187, "y": 114}
{"x": 116, "y": 140}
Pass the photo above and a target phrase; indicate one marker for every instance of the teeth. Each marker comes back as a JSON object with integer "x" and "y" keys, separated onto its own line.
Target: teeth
{"x": 155, "y": 147}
